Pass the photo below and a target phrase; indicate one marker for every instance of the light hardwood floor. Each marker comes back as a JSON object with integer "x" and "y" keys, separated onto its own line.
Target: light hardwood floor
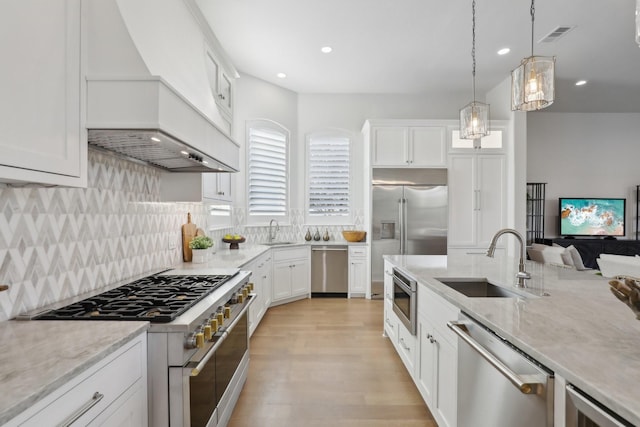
{"x": 323, "y": 362}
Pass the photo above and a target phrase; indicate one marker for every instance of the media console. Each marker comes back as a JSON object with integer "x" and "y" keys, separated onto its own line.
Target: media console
{"x": 590, "y": 249}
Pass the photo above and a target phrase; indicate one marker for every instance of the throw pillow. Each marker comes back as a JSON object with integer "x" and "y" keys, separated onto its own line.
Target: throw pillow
{"x": 577, "y": 259}
{"x": 553, "y": 255}
{"x": 565, "y": 255}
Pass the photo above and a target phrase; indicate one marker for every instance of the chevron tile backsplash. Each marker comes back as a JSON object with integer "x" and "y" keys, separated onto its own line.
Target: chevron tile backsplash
{"x": 58, "y": 242}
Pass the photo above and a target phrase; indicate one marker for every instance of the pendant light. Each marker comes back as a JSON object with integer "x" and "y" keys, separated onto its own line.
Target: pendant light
{"x": 532, "y": 83}
{"x": 474, "y": 117}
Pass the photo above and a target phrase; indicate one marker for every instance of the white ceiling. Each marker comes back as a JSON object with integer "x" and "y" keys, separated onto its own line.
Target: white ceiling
{"x": 424, "y": 46}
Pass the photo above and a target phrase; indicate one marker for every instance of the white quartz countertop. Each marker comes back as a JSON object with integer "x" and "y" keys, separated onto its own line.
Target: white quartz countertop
{"x": 569, "y": 322}
{"x": 39, "y": 356}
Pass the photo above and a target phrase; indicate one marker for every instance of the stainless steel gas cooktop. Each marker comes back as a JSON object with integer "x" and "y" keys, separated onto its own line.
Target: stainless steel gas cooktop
{"x": 158, "y": 298}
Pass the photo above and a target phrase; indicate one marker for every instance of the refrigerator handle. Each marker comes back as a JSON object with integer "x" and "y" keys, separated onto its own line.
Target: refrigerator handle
{"x": 401, "y": 224}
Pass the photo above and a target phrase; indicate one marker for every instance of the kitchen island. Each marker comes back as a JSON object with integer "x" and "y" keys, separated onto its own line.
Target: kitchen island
{"x": 567, "y": 320}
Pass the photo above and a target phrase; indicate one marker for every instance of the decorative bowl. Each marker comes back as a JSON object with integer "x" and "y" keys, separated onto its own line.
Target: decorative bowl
{"x": 233, "y": 243}
{"x": 353, "y": 235}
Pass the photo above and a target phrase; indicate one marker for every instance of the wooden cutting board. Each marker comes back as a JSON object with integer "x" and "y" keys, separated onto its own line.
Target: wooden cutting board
{"x": 188, "y": 233}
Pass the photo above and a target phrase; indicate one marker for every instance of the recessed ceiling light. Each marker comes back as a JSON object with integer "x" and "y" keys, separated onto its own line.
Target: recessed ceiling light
{"x": 153, "y": 138}
{"x": 281, "y": 75}
{"x": 581, "y": 82}
{"x": 326, "y": 49}
{"x": 504, "y": 51}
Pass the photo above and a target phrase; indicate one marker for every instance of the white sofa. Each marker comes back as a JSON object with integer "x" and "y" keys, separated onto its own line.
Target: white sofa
{"x": 619, "y": 265}
{"x": 556, "y": 255}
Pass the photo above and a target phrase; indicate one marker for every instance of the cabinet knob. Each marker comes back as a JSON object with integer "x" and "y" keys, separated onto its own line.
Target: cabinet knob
{"x": 220, "y": 193}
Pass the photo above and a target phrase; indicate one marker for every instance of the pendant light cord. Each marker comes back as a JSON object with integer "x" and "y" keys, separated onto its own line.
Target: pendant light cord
{"x": 473, "y": 46}
{"x": 533, "y": 13}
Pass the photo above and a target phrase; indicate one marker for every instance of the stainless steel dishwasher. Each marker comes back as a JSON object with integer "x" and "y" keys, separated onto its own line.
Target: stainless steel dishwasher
{"x": 329, "y": 271}
{"x": 499, "y": 385}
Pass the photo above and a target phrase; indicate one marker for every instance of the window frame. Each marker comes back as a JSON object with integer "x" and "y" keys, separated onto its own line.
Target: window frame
{"x": 327, "y": 220}
{"x": 262, "y": 220}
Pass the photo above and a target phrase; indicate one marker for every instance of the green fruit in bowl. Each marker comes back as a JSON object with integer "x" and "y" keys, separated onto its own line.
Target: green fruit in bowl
{"x": 228, "y": 236}
{"x": 237, "y": 237}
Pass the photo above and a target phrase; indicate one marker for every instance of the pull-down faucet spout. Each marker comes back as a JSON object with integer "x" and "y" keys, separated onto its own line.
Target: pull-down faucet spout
{"x": 522, "y": 274}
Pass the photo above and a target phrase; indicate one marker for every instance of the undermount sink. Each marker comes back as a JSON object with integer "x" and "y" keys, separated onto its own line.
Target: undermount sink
{"x": 277, "y": 243}
{"x": 478, "y": 288}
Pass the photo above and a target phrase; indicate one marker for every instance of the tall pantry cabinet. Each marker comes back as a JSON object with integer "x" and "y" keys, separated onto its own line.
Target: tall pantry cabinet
{"x": 477, "y": 195}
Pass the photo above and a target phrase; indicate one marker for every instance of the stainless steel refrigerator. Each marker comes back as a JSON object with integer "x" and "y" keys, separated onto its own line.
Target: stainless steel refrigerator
{"x": 409, "y": 216}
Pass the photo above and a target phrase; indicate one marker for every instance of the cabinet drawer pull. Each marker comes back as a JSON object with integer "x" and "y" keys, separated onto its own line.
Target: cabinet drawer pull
{"x": 406, "y": 347}
{"x": 97, "y": 397}
{"x": 389, "y": 322}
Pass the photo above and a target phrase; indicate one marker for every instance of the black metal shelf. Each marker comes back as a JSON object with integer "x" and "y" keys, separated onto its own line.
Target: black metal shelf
{"x": 535, "y": 211}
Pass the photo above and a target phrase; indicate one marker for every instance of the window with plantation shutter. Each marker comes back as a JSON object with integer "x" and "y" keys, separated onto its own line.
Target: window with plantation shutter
{"x": 267, "y": 169}
{"x": 328, "y": 177}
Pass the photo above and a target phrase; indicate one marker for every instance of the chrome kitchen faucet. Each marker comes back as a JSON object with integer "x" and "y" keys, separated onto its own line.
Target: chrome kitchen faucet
{"x": 522, "y": 274}
{"x": 272, "y": 235}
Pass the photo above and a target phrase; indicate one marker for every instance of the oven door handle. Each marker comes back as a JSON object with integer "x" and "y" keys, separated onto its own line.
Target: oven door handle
{"x": 200, "y": 366}
{"x": 527, "y": 384}
{"x": 403, "y": 285}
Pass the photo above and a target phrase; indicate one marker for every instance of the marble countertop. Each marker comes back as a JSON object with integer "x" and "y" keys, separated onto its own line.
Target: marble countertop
{"x": 38, "y": 357}
{"x": 569, "y": 321}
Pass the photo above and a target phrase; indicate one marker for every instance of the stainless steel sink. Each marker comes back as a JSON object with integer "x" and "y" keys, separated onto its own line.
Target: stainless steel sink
{"x": 277, "y": 243}
{"x": 478, "y": 288}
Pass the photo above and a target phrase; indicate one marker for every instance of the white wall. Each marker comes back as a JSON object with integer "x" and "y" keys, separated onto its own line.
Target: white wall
{"x": 584, "y": 155}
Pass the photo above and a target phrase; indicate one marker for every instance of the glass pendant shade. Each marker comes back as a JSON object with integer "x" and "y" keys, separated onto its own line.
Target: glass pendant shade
{"x": 532, "y": 84}
{"x": 474, "y": 120}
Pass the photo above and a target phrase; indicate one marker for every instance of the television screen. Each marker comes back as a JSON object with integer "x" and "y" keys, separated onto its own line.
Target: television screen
{"x": 592, "y": 217}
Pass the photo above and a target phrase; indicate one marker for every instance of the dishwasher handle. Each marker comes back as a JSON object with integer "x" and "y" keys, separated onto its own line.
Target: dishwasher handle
{"x": 527, "y": 384}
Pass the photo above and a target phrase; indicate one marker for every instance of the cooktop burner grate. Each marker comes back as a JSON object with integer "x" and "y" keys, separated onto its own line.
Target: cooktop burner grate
{"x": 158, "y": 299}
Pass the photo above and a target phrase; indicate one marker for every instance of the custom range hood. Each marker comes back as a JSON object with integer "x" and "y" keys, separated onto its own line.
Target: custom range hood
{"x": 150, "y": 95}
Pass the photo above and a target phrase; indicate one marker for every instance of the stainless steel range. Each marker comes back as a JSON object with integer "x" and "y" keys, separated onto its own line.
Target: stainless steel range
{"x": 198, "y": 341}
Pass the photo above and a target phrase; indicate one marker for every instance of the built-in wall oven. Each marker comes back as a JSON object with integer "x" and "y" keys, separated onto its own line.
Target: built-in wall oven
{"x": 405, "y": 300}
{"x": 584, "y": 411}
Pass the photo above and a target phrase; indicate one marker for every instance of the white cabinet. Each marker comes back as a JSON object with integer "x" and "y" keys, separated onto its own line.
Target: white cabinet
{"x": 291, "y": 277}
{"x": 391, "y": 321}
{"x": 42, "y": 134}
{"x": 412, "y": 146}
{"x": 477, "y": 199}
{"x": 222, "y": 85}
{"x": 436, "y": 375}
{"x": 357, "y": 271}
{"x": 111, "y": 393}
{"x": 195, "y": 187}
{"x": 261, "y": 278}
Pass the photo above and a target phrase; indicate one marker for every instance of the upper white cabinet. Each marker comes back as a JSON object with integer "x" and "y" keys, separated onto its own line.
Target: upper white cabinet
{"x": 407, "y": 143}
{"x": 42, "y": 135}
{"x": 195, "y": 187}
{"x": 477, "y": 199}
{"x": 222, "y": 85}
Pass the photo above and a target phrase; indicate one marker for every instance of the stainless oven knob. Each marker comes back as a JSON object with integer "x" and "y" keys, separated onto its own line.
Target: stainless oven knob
{"x": 195, "y": 340}
{"x": 227, "y": 312}
{"x": 207, "y": 332}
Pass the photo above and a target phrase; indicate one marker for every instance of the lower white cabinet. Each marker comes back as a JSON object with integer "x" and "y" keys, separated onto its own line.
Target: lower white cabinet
{"x": 291, "y": 274}
{"x": 261, "y": 278}
{"x": 113, "y": 392}
{"x": 357, "y": 271}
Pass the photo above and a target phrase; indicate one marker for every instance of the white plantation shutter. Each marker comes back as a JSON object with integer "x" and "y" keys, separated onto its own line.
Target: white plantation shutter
{"x": 328, "y": 175}
{"x": 267, "y": 180}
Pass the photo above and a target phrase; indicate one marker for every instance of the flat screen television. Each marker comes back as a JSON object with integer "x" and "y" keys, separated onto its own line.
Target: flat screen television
{"x": 592, "y": 217}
